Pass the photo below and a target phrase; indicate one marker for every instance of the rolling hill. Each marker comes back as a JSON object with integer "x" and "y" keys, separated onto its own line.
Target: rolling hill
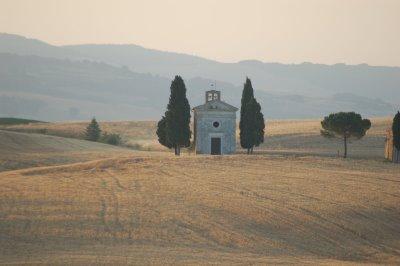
{"x": 69, "y": 201}
{"x": 202, "y": 210}
{"x": 53, "y": 89}
{"x": 24, "y": 150}
{"x": 281, "y": 137}
{"x": 307, "y": 79}
{"x": 46, "y": 82}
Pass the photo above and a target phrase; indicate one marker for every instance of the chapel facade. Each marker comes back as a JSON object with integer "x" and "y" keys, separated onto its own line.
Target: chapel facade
{"x": 214, "y": 126}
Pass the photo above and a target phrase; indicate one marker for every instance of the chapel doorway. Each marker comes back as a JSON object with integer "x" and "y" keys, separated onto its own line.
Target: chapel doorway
{"x": 215, "y": 146}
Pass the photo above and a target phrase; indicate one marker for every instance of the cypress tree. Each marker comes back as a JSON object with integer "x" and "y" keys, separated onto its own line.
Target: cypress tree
{"x": 93, "y": 131}
{"x": 251, "y": 123}
{"x": 162, "y": 133}
{"x": 247, "y": 95}
{"x": 174, "y": 128}
{"x": 245, "y": 124}
{"x": 260, "y": 126}
{"x": 396, "y": 133}
{"x": 248, "y": 130}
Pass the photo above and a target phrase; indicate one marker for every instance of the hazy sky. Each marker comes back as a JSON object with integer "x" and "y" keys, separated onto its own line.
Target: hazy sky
{"x": 321, "y": 31}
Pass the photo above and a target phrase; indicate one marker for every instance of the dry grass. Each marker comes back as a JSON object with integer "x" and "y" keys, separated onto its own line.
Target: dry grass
{"x": 21, "y": 150}
{"x": 199, "y": 209}
{"x": 136, "y": 134}
{"x": 115, "y": 206}
{"x": 289, "y": 136}
{"x": 303, "y": 137}
{"x": 313, "y": 126}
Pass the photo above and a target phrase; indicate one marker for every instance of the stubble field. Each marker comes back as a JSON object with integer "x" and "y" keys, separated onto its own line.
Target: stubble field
{"x": 282, "y": 136}
{"x": 277, "y": 206}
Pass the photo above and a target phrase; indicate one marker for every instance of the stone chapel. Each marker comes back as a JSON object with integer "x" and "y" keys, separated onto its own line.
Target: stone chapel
{"x": 214, "y": 126}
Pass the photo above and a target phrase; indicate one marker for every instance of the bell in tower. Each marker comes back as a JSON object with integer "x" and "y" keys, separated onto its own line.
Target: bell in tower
{"x": 213, "y": 95}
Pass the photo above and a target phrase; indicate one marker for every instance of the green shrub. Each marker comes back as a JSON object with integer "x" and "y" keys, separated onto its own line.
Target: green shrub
{"x": 134, "y": 146}
{"x": 112, "y": 139}
{"x": 42, "y": 130}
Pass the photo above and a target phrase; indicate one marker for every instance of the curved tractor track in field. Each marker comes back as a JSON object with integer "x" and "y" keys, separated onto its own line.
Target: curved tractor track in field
{"x": 268, "y": 206}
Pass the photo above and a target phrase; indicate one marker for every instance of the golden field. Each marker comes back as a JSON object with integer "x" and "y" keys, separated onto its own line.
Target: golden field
{"x": 138, "y": 134}
{"x": 292, "y": 203}
{"x": 22, "y": 150}
{"x": 293, "y": 136}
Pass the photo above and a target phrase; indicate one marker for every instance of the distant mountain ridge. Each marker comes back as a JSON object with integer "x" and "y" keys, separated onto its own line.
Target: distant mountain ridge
{"x": 305, "y": 79}
{"x": 15, "y": 44}
{"x": 120, "y": 82}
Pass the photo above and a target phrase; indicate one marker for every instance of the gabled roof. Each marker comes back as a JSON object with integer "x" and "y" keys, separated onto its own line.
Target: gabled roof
{"x": 215, "y": 105}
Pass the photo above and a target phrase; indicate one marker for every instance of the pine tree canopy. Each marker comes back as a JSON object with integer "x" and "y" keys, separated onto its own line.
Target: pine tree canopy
{"x": 396, "y": 131}
{"x": 93, "y": 131}
{"x": 345, "y": 125}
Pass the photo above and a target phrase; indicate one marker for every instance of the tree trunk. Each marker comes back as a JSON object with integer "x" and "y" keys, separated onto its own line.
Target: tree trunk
{"x": 251, "y": 151}
{"x": 345, "y": 147}
{"x": 176, "y": 150}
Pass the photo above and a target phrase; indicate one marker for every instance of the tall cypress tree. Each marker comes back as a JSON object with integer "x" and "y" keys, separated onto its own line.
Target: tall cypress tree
{"x": 248, "y": 130}
{"x": 247, "y": 95}
{"x": 260, "y": 126}
{"x": 245, "y": 124}
{"x": 174, "y": 129}
{"x": 396, "y": 133}
{"x": 251, "y": 123}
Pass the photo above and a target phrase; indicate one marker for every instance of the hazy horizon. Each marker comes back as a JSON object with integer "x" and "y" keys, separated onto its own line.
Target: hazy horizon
{"x": 326, "y": 32}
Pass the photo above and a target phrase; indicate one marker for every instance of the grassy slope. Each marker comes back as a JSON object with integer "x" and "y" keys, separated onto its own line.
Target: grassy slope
{"x": 135, "y": 133}
{"x": 302, "y": 136}
{"x": 146, "y": 208}
{"x": 282, "y": 136}
{"x": 21, "y": 150}
{"x": 198, "y": 209}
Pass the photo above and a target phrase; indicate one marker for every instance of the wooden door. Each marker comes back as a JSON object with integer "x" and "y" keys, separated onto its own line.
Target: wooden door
{"x": 215, "y": 146}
